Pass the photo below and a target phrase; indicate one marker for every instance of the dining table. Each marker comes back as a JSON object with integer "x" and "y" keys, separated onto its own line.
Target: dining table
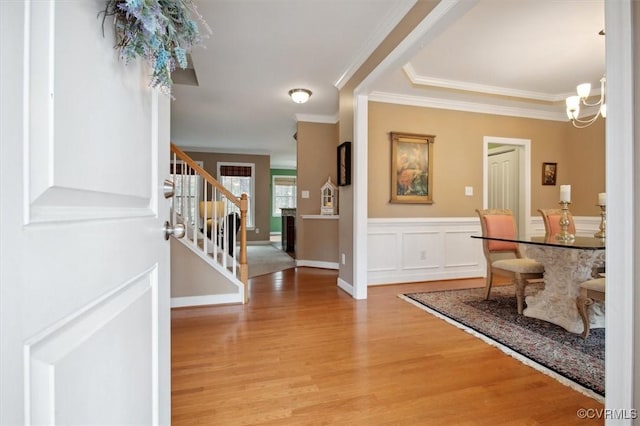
{"x": 567, "y": 264}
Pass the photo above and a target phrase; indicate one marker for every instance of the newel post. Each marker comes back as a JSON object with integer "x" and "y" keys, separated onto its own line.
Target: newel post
{"x": 244, "y": 268}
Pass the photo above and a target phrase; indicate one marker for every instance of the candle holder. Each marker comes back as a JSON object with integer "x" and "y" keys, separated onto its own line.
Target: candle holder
{"x": 564, "y": 235}
{"x": 602, "y": 233}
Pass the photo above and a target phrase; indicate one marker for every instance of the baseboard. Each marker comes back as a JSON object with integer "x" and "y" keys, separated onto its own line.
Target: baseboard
{"x": 213, "y": 299}
{"x": 258, "y": 242}
{"x": 318, "y": 264}
{"x": 348, "y": 288}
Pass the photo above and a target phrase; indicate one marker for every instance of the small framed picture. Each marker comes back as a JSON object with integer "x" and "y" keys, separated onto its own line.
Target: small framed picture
{"x": 344, "y": 164}
{"x": 549, "y": 173}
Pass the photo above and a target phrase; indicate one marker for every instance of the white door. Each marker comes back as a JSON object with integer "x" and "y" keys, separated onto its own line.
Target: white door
{"x": 84, "y": 290}
{"x": 504, "y": 182}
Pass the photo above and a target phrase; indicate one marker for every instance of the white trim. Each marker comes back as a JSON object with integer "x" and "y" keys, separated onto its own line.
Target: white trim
{"x": 360, "y": 196}
{"x": 467, "y": 106}
{"x": 317, "y": 118}
{"x": 525, "y": 173}
{"x": 221, "y": 150}
{"x": 342, "y": 284}
{"x": 213, "y": 299}
{"x": 317, "y": 264}
{"x": 622, "y": 232}
{"x": 402, "y": 250}
{"x": 273, "y": 193}
{"x": 480, "y": 88}
{"x": 252, "y": 196}
{"x": 392, "y": 19}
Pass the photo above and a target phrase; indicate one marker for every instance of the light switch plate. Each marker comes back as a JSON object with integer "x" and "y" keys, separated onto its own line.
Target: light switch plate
{"x": 305, "y": 194}
{"x": 468, "y": 191}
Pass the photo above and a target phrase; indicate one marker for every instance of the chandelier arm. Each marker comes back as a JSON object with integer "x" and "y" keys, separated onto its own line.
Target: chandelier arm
{"x": 581, "y": 124}
{"x": 603, "y": 81}
{"x": 600, "y": 101}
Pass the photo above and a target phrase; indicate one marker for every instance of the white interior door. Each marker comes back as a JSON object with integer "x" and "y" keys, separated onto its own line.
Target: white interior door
{"x": 504, "y": 180}
{"x": 84, "y": 314}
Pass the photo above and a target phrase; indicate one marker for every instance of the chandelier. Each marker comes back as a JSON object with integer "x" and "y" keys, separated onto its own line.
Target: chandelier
{"x": 574, "y": 102}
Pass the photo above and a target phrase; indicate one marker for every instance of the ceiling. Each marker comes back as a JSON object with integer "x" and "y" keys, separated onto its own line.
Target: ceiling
{"x": 507, "y": 57}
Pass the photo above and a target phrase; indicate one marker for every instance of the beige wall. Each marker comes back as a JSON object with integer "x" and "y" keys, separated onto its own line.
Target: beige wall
{"x": 262, "y": 180}
{"x": 587, "y": 169}
{"x": 316, "y": 239}
{"x": 191, "y": 276}
{"x": 458, "y": 160}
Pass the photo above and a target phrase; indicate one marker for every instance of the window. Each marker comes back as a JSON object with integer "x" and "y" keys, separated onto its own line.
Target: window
{"x": 283, "y": 193}
{"x": 239, "y": 178}
{"x": 186, "y": 193}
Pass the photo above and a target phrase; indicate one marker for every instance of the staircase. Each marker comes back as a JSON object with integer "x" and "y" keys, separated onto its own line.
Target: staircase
{"x": 214, "y": 219}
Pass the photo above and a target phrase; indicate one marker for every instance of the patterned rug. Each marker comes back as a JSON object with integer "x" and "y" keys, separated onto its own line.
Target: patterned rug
{"x": 547, "y": 347}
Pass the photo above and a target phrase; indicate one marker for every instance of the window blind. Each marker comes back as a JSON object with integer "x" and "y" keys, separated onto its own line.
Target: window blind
{"x": 241, "y": 171}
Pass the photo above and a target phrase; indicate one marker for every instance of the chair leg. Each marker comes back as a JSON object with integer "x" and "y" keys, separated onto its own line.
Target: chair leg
{"x": 487, "y": 288}
{"x": 583, "y": 304}
{"x": 520, "y": 284}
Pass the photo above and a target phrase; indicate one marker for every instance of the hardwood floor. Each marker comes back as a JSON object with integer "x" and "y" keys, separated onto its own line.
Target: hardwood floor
{"x": 303, "y": 352}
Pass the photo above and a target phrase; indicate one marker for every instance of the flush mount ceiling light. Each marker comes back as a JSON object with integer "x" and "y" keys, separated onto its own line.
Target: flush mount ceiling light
{"x": 299, "y": 96}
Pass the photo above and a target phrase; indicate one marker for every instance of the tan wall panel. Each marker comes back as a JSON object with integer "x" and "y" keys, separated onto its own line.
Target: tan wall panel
{"x": 317, "y": 160}
{"x": 458, "y": 159}
{"x": 320, "y": 240}
{"x": 191, "y": 276}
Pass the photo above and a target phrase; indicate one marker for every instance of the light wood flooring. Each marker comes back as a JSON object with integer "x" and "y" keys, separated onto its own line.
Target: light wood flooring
{"x": 303, "y": 352}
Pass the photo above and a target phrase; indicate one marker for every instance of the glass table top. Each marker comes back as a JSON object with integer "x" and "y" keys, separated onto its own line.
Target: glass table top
{"x": 584, "y": 243}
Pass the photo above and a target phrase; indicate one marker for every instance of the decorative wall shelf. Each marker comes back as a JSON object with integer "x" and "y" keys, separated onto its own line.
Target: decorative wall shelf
{"x": 320, "y": 216}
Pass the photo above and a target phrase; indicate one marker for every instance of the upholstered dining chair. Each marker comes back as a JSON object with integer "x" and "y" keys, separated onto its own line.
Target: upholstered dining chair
{"x": 590, "y": 291}
{"x": 214, "y": 212}
{"x": 551, "y": 219}
{"x": 501, "y": 223}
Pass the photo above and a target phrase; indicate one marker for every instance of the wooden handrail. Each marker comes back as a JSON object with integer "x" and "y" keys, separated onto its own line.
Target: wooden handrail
{"x": 202, "y": 172}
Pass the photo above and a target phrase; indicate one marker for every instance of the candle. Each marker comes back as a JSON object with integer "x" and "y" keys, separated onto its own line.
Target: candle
{"x": 602, "y": 199}
{"x": 565, "y": 193}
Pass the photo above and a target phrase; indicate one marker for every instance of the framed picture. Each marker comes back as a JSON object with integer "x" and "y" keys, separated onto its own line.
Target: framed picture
{"x": 411, "y": 168}
{"x": 549, "y": 173}
{"x": 344, "y": 164}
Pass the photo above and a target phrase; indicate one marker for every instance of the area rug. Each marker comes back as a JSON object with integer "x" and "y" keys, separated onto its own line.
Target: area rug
{"x": 266, "y": 259}
{"x": 565, "y": 356}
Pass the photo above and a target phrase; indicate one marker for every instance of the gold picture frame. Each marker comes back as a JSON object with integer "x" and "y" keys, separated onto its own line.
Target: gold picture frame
{"x": 411, "y": 168}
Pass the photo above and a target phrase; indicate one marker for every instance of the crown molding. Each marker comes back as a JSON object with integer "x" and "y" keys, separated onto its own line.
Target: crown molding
{"x": 480, "y": 88}
{"x": 393, "y": 18}
{"x": 393, "y": 98}
{"x": 317, "y": 118}
{"x": 219, "y": 150}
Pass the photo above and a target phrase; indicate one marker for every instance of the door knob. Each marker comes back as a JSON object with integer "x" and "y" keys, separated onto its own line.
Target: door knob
{"x": 168, "y": 188}
{"x": 177, "y": 231}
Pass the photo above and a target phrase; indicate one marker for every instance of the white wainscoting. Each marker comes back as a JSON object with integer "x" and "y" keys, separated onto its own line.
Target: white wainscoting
{"x": 401, "y": 250}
